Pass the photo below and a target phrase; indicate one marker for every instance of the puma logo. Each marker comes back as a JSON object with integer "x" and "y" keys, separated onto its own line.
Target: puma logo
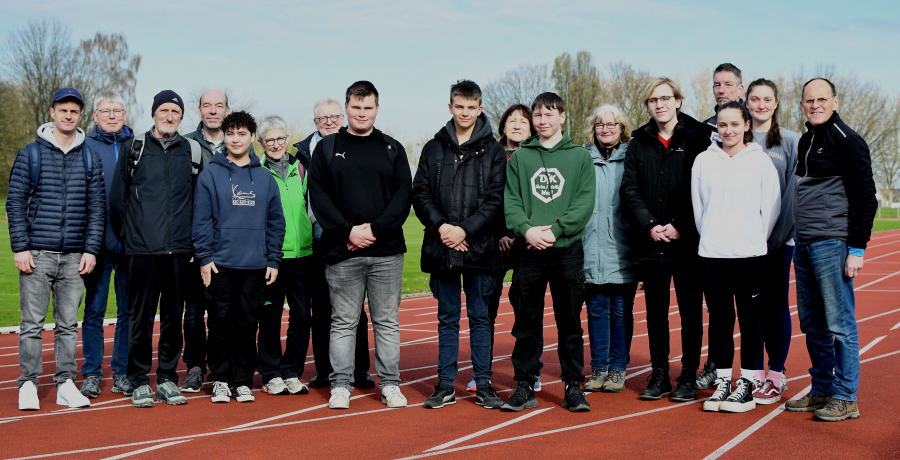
{"x": 754, "y": 296}
{"x": 342, "y": 155}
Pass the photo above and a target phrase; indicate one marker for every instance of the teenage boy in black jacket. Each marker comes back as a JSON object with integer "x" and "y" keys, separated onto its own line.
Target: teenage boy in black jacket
{"x": 458, "y": 195}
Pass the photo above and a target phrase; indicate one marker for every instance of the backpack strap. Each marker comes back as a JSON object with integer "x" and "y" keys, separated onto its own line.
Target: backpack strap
{"x": 34, "y": 164}
{"x": 196, "y": 156}
{"x": 137, "y": 149}
{"x": 393, "y": 148}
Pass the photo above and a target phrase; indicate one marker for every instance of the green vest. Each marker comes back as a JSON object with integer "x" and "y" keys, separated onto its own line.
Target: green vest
{"x": 298, "y": 229}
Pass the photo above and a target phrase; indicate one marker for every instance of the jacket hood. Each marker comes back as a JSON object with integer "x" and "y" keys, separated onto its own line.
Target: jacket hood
{"x": 751, "y": 147}
{"x": 108, "y": 138}
{"x": 221, "y": 160}
{"x": 482, "y": 131}
{"x": 617, "y": 155}
{"x": 534, "y": 142}
{"x": 45, "y": 132}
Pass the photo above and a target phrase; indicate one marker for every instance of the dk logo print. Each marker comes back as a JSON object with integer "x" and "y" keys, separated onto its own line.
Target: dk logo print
{"x": 547, "y": 184}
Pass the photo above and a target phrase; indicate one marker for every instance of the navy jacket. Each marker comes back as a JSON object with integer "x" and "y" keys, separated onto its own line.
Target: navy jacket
{"x": 67, "y": 213}
{"x": 108, "y": 146}
{"x": 238, "y": 220}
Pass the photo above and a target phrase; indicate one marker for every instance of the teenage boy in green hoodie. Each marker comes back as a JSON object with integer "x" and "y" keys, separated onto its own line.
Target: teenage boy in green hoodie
{"x": 548, "y": 200}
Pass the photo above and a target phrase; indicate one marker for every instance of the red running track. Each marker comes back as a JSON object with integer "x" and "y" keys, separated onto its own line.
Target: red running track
{"x": 619, "y": 425}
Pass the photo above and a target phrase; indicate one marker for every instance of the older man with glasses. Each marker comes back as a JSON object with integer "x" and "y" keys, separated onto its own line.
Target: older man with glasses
{"x": 328, "y": 117}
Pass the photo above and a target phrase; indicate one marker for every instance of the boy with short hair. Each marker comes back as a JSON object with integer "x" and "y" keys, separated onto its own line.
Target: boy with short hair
{"x": 548, "y": 200}
{"x": 458, "y": 196}
{"x": 238, "y": 231}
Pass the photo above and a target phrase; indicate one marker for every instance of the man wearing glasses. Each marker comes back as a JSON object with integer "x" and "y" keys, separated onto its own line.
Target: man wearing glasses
{"x": 106, "y": 139}
{"x": 328, "y": 117}
{"x": 835, "y": 208}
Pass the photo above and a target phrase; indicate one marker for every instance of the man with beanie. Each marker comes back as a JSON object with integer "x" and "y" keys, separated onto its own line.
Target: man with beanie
{"x": 107, "y": 139}
{"x": 152, "y": 203}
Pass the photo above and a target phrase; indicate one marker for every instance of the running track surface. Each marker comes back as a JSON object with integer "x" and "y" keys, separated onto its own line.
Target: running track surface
{"x": 619, "y": 425}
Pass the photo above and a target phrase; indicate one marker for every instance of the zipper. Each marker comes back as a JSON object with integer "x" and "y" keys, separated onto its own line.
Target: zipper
{"x": 168, "y": 197}
{"x": 806, "y": 160}
{"x": 62, "y": 243}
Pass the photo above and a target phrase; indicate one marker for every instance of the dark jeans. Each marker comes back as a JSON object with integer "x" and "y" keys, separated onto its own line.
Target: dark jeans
{"x": 730, "y": 282}
{"x": 563, "y": 270}
{"x": 96, "y": 287}
{"x": 775, "y": 316}
{"x": 446, "y": 289}
{"x": 610, "y": 310}
{"x": 194, "y": 322}
{"x": 657, "y": 278}
{"x": 235, "y": 300}
{"x": 293, "y": 283}
{"x": 155, "y": 280}
{"x": 320, "y": 305}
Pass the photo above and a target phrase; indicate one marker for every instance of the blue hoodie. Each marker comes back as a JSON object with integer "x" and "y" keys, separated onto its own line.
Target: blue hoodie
{"x": 238, "y": 223}
{"x": 108, "y": 146}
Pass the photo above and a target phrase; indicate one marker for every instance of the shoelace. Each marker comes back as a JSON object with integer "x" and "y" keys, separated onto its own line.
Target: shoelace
{"x": 721, "y": 389}
{"x": 221, "y": 389}
{"x": 656, "y": 376}
{"x": 243, "y": 391}
{"x": 520, "y": 391}
{"x": 740, "y": 389}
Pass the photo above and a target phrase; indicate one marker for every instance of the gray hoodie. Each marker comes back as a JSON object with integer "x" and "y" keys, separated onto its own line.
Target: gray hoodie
{"x": 45, "y": 131}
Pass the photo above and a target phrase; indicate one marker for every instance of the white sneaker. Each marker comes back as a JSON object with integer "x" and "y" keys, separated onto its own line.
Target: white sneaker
{"x": 392, "y": 396}
{"x": 221, "y": 393}
{"x": 340, "y": 398}
{"x": 537, "y": 384}
{"x": 275, "y": 386}
{"x": 67, "y": 394}
{"x": 296, "y": 387}
{"x": 243, "y": 394}
{"x": 28, "y": 398}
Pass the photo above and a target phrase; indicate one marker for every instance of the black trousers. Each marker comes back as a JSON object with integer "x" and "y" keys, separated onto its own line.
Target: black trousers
{"x": 320, "y": 300}
{"x": 494, "y": 298}
{"x": 235, "y": 300}
{"x": 657, "y": 277}
{"x": 152, "y": 281}
{"x": 194, "y": 323}
{"x": 292, "y": 282}
{"x": 729, "y": 282}
{"x": 563, "y": 270}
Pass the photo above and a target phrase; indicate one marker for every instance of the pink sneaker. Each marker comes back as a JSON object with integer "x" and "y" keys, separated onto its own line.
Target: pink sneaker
{"x": 767, "y": 394}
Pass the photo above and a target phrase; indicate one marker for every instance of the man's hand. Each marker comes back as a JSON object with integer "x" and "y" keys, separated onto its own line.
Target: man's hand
{"x": 853, "y": 266}
{"x": 271, "y": 274}
{"x": 452, "y": 235}
{"x": 658, "y": 233}
{"x": 24, "y": 262}
{"x": 206, "y": 272}
{"x": 671, "y": 232}
{"x": 540, "y": 237}
{"x": 360, "y": 237}
{"x": 505, "y": 245}
{"x": 88, "y": 261}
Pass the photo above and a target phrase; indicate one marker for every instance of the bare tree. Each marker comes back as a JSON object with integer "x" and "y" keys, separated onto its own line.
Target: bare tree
{"x": 701, "y": 102}
{"x": 15, "y": 131}
{"x": 108, "y": 65}
{"x": 578, "y": 83}
{"x": 518, "y": 86}
{"x": 623, "y": 86}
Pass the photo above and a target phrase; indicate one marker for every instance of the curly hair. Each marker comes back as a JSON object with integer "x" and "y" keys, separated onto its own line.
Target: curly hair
{"x": 239, "y": 119}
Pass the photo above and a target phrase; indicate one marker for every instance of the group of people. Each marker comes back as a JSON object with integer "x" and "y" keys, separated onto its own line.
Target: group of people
{"x": 219, "y": 236}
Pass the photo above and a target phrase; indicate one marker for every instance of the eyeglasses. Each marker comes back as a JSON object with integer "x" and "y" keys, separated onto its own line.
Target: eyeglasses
{"x": 280, "y": 140}
{"x": 327, "y": 118}
{"x": 663, "y": 99}
{"x": 606, "y": 125}
{"x": 821, "y": 100}
{"x": 106, "y": 112}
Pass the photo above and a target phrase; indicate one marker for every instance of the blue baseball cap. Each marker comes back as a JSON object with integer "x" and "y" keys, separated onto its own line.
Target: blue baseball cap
{"x": 67, "y": 93}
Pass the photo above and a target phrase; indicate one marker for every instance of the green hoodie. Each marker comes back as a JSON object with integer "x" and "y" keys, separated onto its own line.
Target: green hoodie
{"x": 298, "y": 229}
{"x": 562, "y": 196}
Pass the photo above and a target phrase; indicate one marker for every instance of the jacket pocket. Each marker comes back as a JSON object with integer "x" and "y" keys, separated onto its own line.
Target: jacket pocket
{"x": 241, "y": 248}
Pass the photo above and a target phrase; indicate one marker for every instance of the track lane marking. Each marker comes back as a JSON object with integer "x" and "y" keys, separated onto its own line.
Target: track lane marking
{"x": 488, "y": 430}
{"x": 146, "y": 449}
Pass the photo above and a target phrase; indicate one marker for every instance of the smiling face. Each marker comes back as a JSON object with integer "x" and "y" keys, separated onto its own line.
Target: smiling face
{"x": 608, "y": 137}
{"x": 238, "y": 141}
{"x": 762, "y": 103}
{"x": 361, "y": 113}
{"x": 274, "y": 142}
{"x": 726, "y": 87}
{"x": 819, "y": 102}
{"x": 329, "y": 119}
{"x": 66, "y": 115}
{"x": 662, "y": 104}
{"x": 547, "y": 121}
{"x": 110, "y": 116}
{"x": 213, "y": 109}
{"x": 731, "y": 127}
{"x": 465, "y": 112}
{"x": 517, "y": 127}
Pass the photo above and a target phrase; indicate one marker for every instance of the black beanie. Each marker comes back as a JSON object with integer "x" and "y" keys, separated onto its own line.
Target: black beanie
{"x": 166, "y": 96}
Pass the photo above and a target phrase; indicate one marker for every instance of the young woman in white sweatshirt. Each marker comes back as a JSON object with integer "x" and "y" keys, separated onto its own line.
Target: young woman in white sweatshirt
{"x": 736, "y": 198}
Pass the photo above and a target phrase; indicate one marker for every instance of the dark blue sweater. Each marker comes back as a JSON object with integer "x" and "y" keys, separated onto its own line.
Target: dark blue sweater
{"x": 108, "y": 146}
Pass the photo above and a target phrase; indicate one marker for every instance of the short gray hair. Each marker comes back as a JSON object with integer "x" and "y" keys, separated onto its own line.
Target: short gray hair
{"x": 268, "y": 123}
{"x": 108, "y": 95}
{"x": 326, "y": 101}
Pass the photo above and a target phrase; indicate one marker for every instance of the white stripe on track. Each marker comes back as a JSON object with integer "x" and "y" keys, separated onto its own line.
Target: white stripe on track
{"x": 488, "y": 430}
{"x": 146, "y": 449}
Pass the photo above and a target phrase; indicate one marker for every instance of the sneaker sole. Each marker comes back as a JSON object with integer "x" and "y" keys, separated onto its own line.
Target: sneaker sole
{"x": 528, "y": 405}
{"x": 608, "y": 389}
{"x": 767, "y": 401}
{"x": 245, "y": 400}
{"x": 304, "y": 391}
{"x": 674, "y": 399}
{"x": 171, "y": 403}
{"x": 578, "y": 408}
{"x": 282, "y": 392}
{"x": 803, "y": 409}
{"x": 121, "y": 391}
{"x": 90, "y": 395}
{"x": 221, "y": 400}
{"x": 711, "y": 406}
{"x": 838, "y": 419}
{"x": 394, "y": 406}
{"x": 655, "y": 398}
{"x": 339, "y": 405}
{"x": 444, "y": 403}
{"x": 143, "y": 404}
{"x": 496, "y": 406}
{"x": 735, "y": 407}
{"x": 189, "y": 390}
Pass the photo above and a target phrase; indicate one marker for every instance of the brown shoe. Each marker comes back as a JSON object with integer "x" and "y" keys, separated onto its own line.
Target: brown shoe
{"x": 808, "y": 403}
{"x": 837, "y": 410}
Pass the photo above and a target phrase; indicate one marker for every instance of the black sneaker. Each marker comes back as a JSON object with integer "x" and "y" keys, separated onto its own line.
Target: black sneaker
{"x": 686, "y": 389}
{"x": 486, "y": 396}
{"x": 659, "y": 385}
{"x": 723, "y": 390}
{"x": 442, "y": 396}
{"x": 741, "y": 399}
{"x": 522, "y": 398}
{"x": 707, "y": 378}
{"x": 364, "y": 380}
{"x": 193, "y": 382}
{"x": 574, "y": 400}
{"x": 319, "y": 381}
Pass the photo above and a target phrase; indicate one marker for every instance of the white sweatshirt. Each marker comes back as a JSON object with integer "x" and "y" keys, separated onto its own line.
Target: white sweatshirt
{"x": 736, "y": 202}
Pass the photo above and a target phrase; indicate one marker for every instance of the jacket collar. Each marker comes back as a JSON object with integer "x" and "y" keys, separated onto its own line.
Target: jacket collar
{"x": 830, "y": 122}
{"x": 108, "y": 138}
{"x": 617, "y": 155}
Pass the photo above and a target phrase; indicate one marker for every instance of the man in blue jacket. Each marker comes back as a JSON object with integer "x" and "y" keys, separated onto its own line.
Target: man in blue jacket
{"x": 106, "y": 140}
{"x": 56, "y": 232}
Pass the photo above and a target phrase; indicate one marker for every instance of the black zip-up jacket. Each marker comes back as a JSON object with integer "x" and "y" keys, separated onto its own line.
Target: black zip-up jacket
{"x": 461, "y": 185}
{"x": 153, "y": 211}
{"x": 835, "y": 187}
{"x": 656, "y": 188}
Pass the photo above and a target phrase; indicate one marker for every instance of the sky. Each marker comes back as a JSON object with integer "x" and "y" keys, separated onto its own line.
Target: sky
{"x": 284, "y": 55}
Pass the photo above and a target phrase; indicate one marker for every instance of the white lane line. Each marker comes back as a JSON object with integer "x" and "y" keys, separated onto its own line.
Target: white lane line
{"x": 871, "y": 344}
{"x": 879, "y": 279}
{"x": 277, "y": 417}
{"x": 488, "y": 430}
{"x": 883, "y": 244}
{"x": 878, "y": 315}
{"x": 896, "y": 326}
{"x": 883, "y": 255}
{"x": 146, "y": 449}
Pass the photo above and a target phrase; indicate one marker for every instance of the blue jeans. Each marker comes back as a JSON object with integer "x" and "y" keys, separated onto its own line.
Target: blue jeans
{"x": 610, "y": 310}
{"x": 96, "y": 285}
{"x": 826, "y": 306}
{"x": 446, "y": 289}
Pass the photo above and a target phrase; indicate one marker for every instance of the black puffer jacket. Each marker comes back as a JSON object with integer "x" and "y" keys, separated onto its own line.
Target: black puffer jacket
{"x": 656, "y": 188}
{"x": 154, "y": 209}
{"x": 463, "y": 186}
